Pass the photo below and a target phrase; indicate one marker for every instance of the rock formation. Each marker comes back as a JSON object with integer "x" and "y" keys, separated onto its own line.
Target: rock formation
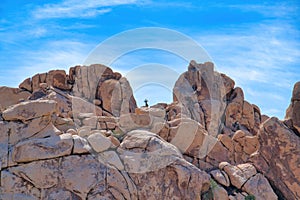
{"x": 81, "y": 136}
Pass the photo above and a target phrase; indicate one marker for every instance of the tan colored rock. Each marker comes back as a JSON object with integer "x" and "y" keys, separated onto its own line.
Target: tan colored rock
{"x": 237, "y": 196}
{"x": 20, "y": 131}
{"x": 84, "y": 131}
{"x": 217, "y": 154}
{"x": 99, "y": 142}
{"x": 79, "y": 174}
{"x": 154, "y": 164}
{"x": 248, "y": 116}
{"x": 221, "y": 177}
{"x": 251, "y": 144}
{"x": 59, "y": 194}
{"x": 58, "y": 79}
{"x": 81, "y": 145}
{"x": 112, "y": 159}
{"x": 227, "y": 142}
{"x": 26, "y": 84}
{"x": 46, "y": 148}
{"x": 4, "y": 139}
{"x": 88, "y": 84}
{"x": 190, "y": 184}
{"x": 278, "y": 157}
{"x": 29, "y": 110}
{"x": 91, "y": 122}
{"x": 132, "y": 121}
{"x": 114, "y": 141}
{"x": 259, "y": 186}
{"x": 64, "y": 103}
{"x": 293, "y": 110}
{"x": 80, "y": 105}
{"x": 142, "y": 151}
{"x": 10, "y": 96}
{"x": 41, "y": 174}
{"x": 72, "y": 131}
{"x": 110, "y": 94}
{"x": 16, "y": 188}
{"x": 239, "y": 174}
{"x": 219, "y": 193}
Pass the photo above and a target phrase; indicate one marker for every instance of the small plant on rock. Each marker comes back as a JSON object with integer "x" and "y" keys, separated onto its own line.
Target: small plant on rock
{"x": 250, "y": 197}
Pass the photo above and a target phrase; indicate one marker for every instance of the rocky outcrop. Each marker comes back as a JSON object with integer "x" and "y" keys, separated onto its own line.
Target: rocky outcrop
{"x": 11, "y": 96}
{"x": 81, "y": 136}
{"x": 293, "y": 112}
{"x": 278, "y": 157}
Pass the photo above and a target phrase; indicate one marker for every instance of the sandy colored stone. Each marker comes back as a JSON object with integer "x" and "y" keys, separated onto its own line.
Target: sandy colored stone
{"x": 99, "y": 142}
{"x": 10, "y": 96}
{"x": 4, "y": 139}
{"x": 219, "y": 193}
{"x": 112, "y": 159}
{"x": 278, "y": 157}
{"x": 36, "y": 149}
{"x": 79, "y": 174}
{"x": 16, "y": 188}
{"x": 42, "y": 174}
{"x": 58, "y": 79}
{"x": 142, "y": 151}
{"x": 84, "y": 131}
{"x": 293, "y": 111}
{"x": 32, "y": 129}
{"x": 259, "y": 186}
{"x": 29, "y": 110}
{"x": 251, "y": 144}
{"x": 114, "y": 141}
{"x": 221, "y": 177}
{"x": 72, "y": 131}
{"x": 239, "y": 174}
{"x": 81, "y": 145}
{"x": 26, "y": 84}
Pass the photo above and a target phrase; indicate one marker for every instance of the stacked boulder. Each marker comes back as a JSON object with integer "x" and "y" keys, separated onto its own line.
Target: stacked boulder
{"x": 81, "y": 136}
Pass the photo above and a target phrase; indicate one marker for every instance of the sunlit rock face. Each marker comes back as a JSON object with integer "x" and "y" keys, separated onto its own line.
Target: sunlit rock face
{"x": 81, "y": 136}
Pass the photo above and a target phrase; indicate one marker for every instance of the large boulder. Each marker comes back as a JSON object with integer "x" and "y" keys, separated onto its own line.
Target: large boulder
{"x": 10, "y": 96}
{"x": 278, "y": 157}
{"x": 29, "y": 110}
{"x": 101, "y": 83}
{"x": 293, "y": 111}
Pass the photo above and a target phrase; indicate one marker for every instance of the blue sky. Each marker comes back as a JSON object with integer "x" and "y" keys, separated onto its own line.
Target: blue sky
{"x": 257, "y": 44}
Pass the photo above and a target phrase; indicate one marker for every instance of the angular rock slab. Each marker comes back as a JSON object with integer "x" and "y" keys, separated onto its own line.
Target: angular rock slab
{"x": 142, "y": 151}
{"x": 30, "y": 110}
{"x": 239, "y": 174}
{"x": 79, "y": 174}
{"x": 37, "y": 149}
{"x": 3, "y": 145}
{"x": 11, "y": 96}
{"x": 41, "y": 174}
{"x": 16, "y": 188}
{"x": 260, "y": 187}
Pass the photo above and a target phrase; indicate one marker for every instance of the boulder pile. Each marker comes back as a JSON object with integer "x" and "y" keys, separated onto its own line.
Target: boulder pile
{"x": 81, "y": 136}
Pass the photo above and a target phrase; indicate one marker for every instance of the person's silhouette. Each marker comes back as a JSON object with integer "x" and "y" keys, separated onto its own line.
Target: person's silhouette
{"x": 146, "y": 102}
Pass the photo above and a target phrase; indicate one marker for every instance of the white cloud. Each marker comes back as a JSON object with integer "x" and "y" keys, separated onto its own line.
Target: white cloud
{"x": 61, "y": 54}
{"x": 78, "y": 9}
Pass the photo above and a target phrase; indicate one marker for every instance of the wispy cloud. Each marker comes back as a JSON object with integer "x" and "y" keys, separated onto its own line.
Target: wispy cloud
{"x": 61, "y": 54}
{"x": 261, "y": 57}
{"x": 278, "y": 9}
{"x": 79, "y": 9}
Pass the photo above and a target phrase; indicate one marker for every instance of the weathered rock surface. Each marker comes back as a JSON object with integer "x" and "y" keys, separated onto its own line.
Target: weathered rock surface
{"x": 81, "y": 136}
{"x": 293, "y": 111}
{"x": 29, "y": 110}
{"x": 37, "y": 149}
{"x": 11, "y": 96}
{"x": 279, "y": 157}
